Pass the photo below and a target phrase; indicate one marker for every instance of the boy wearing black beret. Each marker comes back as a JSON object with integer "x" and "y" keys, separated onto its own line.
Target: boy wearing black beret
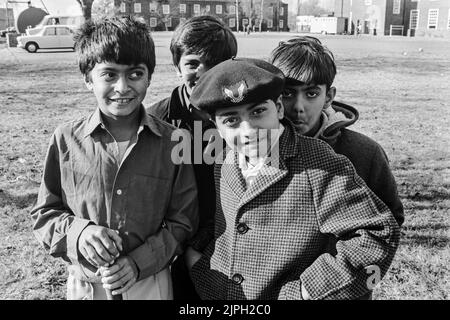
{"x": 281, "y": 198}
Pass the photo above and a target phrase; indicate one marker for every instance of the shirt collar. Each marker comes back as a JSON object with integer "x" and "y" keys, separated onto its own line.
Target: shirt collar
{"x": 243, "y": 161}
{"x": 95, "y": 120}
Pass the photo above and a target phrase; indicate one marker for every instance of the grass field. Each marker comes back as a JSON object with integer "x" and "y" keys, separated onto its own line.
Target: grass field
{"x": 402, "y": 94}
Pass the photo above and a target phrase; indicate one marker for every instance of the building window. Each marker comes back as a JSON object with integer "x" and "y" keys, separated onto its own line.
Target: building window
{"x": 232, "y": 9}
{"x": 169, "y": 22}
{"x": 153, "y": 6}
{"x": 244, "y": 22}
{"x": 166, "y": 9}
{"x": 153, "y": 22}
{"x": 182, "y": 8}
{"x": 196, "y": 8}
{"x": 123, "y": 7}
{"x": 281, "y": 24}
{"x": 219, "y": 9}
{"x": 232, "y": 23}
{"x": 137, "y": 8}
{"x": 396, "y": 7}
{"x": 414, "y": 19}
{"x": 207, "y": 8}
{"x": 269, "y": 24}
{"x": 282, "y": 11}
{"x": 433, "y": 15}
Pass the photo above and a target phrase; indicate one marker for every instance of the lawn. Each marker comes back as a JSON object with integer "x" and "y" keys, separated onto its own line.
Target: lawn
{"x": 399, "y": 85}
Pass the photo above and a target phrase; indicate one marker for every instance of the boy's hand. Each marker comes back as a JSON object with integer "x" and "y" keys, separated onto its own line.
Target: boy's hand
{"x": 191, "y": 257}
{"x": 120, "y": 276}
{"x": 99, "y": 245}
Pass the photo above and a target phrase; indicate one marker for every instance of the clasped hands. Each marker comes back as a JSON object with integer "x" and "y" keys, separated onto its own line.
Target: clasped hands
{"x": 101, "y": 247}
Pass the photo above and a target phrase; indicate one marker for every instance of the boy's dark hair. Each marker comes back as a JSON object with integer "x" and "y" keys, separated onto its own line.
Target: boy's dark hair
{"x": 122, "y": 40}
{"x": 203, "y": 35}
{"x": 305, "y": 59}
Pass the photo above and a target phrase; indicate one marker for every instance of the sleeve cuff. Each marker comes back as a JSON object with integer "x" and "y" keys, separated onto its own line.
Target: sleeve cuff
{"x": 155, "y": 254}
{"x": 78, "y": 225}
{"x": 291, "y": 291}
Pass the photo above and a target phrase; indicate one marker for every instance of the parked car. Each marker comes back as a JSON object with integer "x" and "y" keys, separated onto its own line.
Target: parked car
{"x": 50, "y": 37}
{"x": 7, "y": 30}
{"x": 67, "y": 20}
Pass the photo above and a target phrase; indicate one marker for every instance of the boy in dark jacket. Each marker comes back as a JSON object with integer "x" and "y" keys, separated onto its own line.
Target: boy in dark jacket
{"x": 308, "y": 99}
{"x": 197, "y": 45}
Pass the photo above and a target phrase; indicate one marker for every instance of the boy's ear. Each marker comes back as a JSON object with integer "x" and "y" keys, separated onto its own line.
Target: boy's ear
{"x": 280, "y": 108}
{"x": 178, "y": 71}
{"x": 331, "y": 93}
{"x": 87, "y": 81}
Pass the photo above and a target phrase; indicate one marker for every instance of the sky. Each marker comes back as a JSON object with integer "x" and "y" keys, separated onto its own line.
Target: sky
{"x": 53, "y": 6}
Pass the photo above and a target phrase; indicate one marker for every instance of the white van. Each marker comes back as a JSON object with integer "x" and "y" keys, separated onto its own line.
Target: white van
{"x": 72, "y": 21}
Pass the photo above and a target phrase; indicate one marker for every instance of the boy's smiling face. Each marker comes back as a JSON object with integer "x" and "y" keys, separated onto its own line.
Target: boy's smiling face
{"x": 118, "y": 88}
{"x": 304, "y": 104}
{"x": 243, "y": 126}
{"x": 190, "y": 68}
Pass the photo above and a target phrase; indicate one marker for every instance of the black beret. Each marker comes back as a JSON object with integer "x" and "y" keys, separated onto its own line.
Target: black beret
{"x": 236, "y": 82}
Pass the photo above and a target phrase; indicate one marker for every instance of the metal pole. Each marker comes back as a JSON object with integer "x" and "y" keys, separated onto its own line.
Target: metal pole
{"x": 7, "y": 15}
{"x": 261, "y": 15}
{"x": 237, "y": 16}
{"x": 278, "y": 15}
{"x": 44, "y": 6}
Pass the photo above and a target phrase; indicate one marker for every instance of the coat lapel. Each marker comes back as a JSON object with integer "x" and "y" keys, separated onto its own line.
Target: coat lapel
{"x": 232, "y": 175}
{"x": 276, "y": 170}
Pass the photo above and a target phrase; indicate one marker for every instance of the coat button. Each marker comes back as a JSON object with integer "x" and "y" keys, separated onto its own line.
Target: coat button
{"x": 119, "y": 192}
{"x": 237, "y": 278}
{"x": 242, "y": 228}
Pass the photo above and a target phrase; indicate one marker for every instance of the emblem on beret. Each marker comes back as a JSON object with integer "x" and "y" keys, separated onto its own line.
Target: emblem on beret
{"x": 235, "y": 93}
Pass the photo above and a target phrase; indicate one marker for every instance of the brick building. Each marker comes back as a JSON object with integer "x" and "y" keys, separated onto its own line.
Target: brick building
{"x": 167, "y": 14}
{"x": 377, "y": 17}
{"x": 6, "y": 20}
{"x": 397, "y": 17}
{"x": 431, "y": 18}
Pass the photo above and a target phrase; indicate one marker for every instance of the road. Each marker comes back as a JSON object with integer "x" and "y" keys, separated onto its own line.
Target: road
{"x": 257, "y": 45}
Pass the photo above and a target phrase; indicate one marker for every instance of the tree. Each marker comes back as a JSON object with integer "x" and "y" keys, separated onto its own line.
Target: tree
{"x": 86, "y": 8}
{"x": 310, "y": 8}
{"x": 104, "y": 8}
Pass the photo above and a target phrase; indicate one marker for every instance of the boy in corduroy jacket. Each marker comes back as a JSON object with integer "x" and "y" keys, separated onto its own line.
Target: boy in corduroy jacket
{"x": 281, "y": 199}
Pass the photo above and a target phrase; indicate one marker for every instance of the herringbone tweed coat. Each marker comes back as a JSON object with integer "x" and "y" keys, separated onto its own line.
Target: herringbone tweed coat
{"x": 272, "y": 237}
